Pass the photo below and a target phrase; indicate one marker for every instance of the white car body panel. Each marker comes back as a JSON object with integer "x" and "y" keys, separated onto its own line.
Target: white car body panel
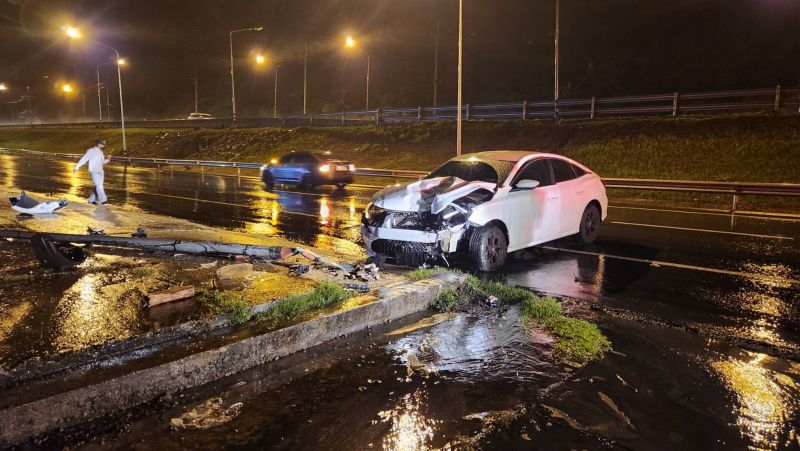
{"x": 530, "y": 216}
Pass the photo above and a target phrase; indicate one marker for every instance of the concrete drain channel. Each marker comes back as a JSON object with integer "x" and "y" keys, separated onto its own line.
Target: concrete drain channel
{"x": 78, "y": 390}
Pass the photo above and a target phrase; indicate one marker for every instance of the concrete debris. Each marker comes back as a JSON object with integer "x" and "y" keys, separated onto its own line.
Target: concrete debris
{"x": 140, "y": 232}
{"x": 170, "y": 295}
{"x": 207, "y": 415}
{"x": 29, "y": 206}
{"x": 98, "y": 231}
{"x": 208, "y": 265}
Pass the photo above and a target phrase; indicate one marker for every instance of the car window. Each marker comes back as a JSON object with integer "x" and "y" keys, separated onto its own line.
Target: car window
{"x": 578, "y": 171}
{"x": 537, "y": 170}
{"x": 287, "y": 159}
{"x": 466, "y": 170}
{"x": 562, "y": 171}
{"x": 305, "y": 158}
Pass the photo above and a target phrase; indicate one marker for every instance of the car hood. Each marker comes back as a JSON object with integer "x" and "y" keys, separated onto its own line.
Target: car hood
{"x": 432, "y": 195}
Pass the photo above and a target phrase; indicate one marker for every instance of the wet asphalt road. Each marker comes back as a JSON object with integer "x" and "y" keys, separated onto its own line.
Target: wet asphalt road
{"x": 702, "y": 309}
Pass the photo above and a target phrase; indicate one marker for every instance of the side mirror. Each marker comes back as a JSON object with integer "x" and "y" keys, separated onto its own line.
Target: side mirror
{"x": 526, "y": 184}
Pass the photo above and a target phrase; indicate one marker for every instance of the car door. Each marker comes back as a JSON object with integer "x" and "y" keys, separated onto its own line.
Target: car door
{"x": 533, "y": 214}
{"x": 573, "y": 196}
{"x": 280, "y": 171}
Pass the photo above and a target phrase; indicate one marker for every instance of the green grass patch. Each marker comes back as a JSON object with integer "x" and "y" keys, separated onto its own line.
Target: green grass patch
{"x": 577, "y": 339}
{"x": 228, "y": 302}
{"x": 447, "y": 300}
{"x": 538, "y": 308}
{"x": 326, "y": 294}
{"x": 420, "y": 274}
{"x": 141, "y": 272}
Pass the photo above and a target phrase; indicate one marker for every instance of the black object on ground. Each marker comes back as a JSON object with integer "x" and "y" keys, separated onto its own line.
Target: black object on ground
{"x": 59, "y": 256}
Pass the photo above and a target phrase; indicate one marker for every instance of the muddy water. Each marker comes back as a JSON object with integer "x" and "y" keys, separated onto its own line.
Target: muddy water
{"x": 450, "y": 379}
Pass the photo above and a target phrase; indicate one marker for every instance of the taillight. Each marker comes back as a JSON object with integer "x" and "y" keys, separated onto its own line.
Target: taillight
{"x": 325, "y": 168}
{"x": 351, "y": 167}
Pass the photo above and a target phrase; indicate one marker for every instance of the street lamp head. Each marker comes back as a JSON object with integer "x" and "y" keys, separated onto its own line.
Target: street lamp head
{"x": 121, "y": 62}
{"x": 349, "y": 42}
{"x": 72, "y": 32}
{"x": 67, "y": 88}
{"x": 3, "y": 87}
{"x": 260, "y": 59}
{"x": 258, "y": 28}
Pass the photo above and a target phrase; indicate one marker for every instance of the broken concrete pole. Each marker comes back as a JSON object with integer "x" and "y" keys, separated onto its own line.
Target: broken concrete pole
{"x": 170, "y": 295}
{"x": 233, "y": 276}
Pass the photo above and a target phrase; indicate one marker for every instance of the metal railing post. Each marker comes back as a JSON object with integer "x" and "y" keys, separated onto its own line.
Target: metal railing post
{"x": 377, "y": 116}
{"x": 419, "y": 114}
{"x": 342, "y": 118}
{"x": 735, "y": 202}
{"x": 467, "y": 114}
{"x": 777, "y": 98}
{"x": 524, "y": 110}
{"x": 593, "y": 108}
{"x": 675, "y": 104}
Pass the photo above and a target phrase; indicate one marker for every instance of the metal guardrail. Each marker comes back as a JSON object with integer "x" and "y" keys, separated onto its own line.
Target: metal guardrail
{"x": 734, "y": 189}
{"x": 670, "y": 104}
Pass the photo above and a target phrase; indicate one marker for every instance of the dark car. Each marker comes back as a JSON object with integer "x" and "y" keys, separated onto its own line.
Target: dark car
{"x": 307, "y": 170}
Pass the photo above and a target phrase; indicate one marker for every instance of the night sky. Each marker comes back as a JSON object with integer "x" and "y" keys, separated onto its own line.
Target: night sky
{"x": 609, "y": 47}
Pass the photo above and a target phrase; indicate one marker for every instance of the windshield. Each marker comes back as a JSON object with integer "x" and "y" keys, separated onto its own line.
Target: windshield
{"x": 491, "y": 171}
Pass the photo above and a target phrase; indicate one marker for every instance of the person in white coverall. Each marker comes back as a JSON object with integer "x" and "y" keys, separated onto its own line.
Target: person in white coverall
{"x": 95, "y": 159}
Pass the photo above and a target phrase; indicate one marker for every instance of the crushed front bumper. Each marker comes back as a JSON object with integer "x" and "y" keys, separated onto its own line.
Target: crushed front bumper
{"x": 419, "y": 241}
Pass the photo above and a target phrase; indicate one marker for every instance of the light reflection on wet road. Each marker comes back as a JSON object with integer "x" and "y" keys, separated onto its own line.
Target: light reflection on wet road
{"x": 737, "y": 280}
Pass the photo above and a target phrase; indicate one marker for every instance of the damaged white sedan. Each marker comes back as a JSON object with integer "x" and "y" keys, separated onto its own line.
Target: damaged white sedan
{"x": 485, "y": 205}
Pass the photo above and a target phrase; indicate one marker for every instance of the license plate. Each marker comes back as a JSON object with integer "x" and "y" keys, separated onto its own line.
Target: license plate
{"x": 341, "y": 168}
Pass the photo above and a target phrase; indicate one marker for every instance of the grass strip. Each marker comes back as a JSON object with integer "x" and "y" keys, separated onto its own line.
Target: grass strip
{"x": 420, "y": 274}
{"x": 326, "y": 294}
{"x": 576, "y": 339}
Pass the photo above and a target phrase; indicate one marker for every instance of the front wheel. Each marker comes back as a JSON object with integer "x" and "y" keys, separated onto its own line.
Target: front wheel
{"x": 488, "y": 248}
{"x": 306, "y": 183}
{"x": 590, "y": 225}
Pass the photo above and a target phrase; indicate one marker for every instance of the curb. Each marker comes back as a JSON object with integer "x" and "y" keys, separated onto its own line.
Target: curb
{"x": 91, "y": 402}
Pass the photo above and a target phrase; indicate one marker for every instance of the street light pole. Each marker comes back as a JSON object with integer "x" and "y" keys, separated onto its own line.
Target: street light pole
{"x": 99, "y": 104}
{"x": 275, "y": 97}
{"x": 460, "y": 63}
{"x": 305, "y": 78}
{"x": 367, "y": 102}
{"x": 233, "y": 83}
{"x": 555, "y": 92}
{"x": 436, "y": 64}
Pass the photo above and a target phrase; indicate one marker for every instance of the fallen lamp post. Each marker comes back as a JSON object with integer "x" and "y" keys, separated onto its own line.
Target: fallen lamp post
{"x": 57, "y": 250}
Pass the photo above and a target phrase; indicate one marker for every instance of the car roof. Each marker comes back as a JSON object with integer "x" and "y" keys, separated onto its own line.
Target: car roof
{"x": 505, "y": 155}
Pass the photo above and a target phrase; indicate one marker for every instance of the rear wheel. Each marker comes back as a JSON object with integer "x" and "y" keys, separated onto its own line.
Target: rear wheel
{"x": 269, "y": 182}
{"x": 590, "y": 225}
{"x": 488, "y": 248}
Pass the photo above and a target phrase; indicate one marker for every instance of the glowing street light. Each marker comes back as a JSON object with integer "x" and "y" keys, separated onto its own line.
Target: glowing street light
{"x": 3, "y": 87}
{"x": 74, "y": 33}
{"x": 350, "y": 43}
{"x": 67, "y": 88}
{"x": 233, "y": 79}
{"x": 260, "y": 59}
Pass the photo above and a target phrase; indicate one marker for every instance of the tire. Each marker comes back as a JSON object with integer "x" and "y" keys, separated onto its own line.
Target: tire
{"x": 590, "y": 225}
{"x": 269, "y": 181}
{"x": 488, "y": 248}
{"x": 306, "y": 183}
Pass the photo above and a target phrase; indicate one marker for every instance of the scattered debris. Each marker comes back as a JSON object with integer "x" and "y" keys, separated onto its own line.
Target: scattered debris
{"x": 141, "y": 232}
{"x": 241, "y": 258}
{"x": 207, "y": 415}
{"x": 29, "y": 206}
{"x": 208, "y": 265}
{"x": 92, "y": 231}
{"x": 58, "y": 256}
{"x": 626, "y": 384}
{"x": 361, "y": 288}
{"x": 491, "y": 301}
{"x": 170, "y": 295}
